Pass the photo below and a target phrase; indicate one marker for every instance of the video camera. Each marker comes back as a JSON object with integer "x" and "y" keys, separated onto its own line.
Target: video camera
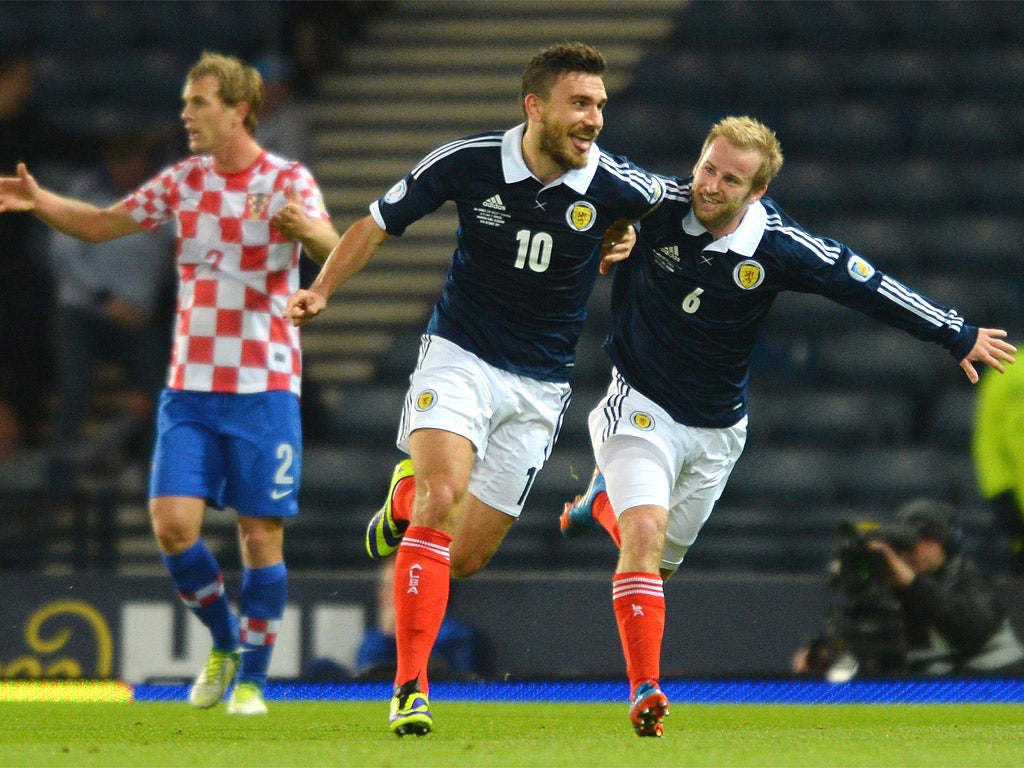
{"x": 866, "y": 631}
{"x": 860, "y": 572}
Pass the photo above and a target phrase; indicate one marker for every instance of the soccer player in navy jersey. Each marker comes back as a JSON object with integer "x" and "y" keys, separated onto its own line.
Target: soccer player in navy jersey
{"x": 491, "y": 384}
{"x": 686, "y": 308}
{"x": 228, "y": 430}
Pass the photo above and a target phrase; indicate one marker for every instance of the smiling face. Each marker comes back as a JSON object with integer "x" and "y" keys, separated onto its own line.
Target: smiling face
{"x": 562, "y": 128}
{"x": 723, "y": 186}
{"x": 209, "y": 122}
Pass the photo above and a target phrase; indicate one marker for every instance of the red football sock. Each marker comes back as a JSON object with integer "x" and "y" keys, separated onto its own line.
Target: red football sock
{"x": 401, "y": 499}
{"x": 605, "y": 515}
{"x": 422, "y": 576}
{"x": 639, "y": 603}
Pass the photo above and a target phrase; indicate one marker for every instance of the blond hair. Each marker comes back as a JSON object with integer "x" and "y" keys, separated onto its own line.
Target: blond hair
{"x": 750, "y": 134}
{"x": 237, "y": 82}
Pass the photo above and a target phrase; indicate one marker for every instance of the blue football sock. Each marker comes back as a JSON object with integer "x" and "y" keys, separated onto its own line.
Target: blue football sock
{"x": 200, "y": 584}
{"x": 264, "y": 594}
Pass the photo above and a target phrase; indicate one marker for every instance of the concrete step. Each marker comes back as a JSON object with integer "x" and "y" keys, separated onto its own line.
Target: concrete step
{"x": 406, "y": 111}
{"x": 523, "y": 25}
{"x": 382, "y": 141}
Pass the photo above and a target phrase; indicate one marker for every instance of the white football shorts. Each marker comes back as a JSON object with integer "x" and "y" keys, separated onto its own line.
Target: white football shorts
{"x": 511, "y": 420}
{"x": 648, "y": 458}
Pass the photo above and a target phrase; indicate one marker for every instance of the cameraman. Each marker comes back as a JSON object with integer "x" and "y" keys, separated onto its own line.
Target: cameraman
{"x": 954, "y": 621}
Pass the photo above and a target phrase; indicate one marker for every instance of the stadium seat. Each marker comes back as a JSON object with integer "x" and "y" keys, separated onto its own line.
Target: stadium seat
{"x": 952, "y": 420}
{"x": 991, "y": 188}
{"x": 829, "y": 419}
{"x": 901, "y": 139}
{"x": 884, "y": 238}
{"x": 78, "y": 30}
{"x": 974, "y": 243}
{"x": 743, "y": 24}
{"x": 346, "y": 477}
{"x": 968, "y": 128}
{"x": 888, "y": 477}
{"x": 792, "y": 477}
{"x": 844, "y": 128}
{"x": 368, "y": 414}
{"x": 883, "y": 360}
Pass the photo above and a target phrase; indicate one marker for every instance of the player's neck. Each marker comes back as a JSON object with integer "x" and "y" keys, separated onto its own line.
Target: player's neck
{"x": 237, "y": 155}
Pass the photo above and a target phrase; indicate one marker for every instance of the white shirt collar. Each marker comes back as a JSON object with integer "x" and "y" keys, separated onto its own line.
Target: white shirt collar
{"x": 514, "y": 166}
{"x": 743, "y": 240}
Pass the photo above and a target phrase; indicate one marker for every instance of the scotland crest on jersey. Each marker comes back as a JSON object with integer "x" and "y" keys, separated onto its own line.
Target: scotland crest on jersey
{"x": 581, "y": 215}
{"x": 748, "y": 274}
{"x": 642, "y": 421}
{"x": 425, "y": 400}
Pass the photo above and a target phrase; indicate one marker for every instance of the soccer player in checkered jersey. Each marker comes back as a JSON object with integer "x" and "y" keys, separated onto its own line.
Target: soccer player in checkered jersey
{"x": 228, "y": 430}
{"x": 491, "y": 384}
{"x": 686, "y": 308}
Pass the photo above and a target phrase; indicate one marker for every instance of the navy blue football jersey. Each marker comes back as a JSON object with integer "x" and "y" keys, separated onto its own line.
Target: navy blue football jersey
{"x": 686, "y": 308}
{"x": 526, "y": 254}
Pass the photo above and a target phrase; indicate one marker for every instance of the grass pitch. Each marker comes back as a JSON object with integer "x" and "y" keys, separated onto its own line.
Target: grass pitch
{"x": 486, "y": 735}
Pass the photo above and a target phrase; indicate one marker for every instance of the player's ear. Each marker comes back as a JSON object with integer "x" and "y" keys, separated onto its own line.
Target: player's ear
{"x": 533, "y": 106}
{"x": 757, "y": 194}
{"x": 242, "y": 110}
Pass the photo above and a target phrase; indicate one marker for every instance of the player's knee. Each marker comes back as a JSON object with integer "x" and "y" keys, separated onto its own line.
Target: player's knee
{"x": 642, "y": 526}
{"x": 173, "y": 539}
{"x": 436, "y": 497}
{"x": 262, "y": 541}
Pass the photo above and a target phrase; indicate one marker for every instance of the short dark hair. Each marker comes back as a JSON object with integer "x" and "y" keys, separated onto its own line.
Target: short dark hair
{"x": 546, "y": 67}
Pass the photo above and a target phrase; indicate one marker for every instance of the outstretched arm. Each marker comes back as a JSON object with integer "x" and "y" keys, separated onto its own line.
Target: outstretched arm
{"x": 991, "y": 349}
{"x": 355, "y": 248}
{"x": 72, "y": 217}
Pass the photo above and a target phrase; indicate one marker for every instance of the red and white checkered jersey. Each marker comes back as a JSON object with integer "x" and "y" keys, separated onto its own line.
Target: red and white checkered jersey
{"x": 234, "y": 272}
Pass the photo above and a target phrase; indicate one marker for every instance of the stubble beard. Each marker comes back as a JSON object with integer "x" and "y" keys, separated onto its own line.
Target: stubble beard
{"x": 553, "y": 143}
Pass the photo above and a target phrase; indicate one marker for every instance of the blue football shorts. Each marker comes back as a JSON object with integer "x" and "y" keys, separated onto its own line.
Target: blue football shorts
{"x": 238, "y": 451}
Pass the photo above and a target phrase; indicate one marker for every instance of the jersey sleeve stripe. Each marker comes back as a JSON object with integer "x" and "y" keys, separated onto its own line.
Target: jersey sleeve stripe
{"x": 452, "y": 147}
{"x": 675, "y": 191}
{"x": 898, "y": 293}
{"x": 652, "y": 187}
{"x": 827, "y": 253}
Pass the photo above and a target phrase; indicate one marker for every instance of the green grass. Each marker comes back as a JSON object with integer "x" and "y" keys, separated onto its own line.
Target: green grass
{"x": 352, "y": 734}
